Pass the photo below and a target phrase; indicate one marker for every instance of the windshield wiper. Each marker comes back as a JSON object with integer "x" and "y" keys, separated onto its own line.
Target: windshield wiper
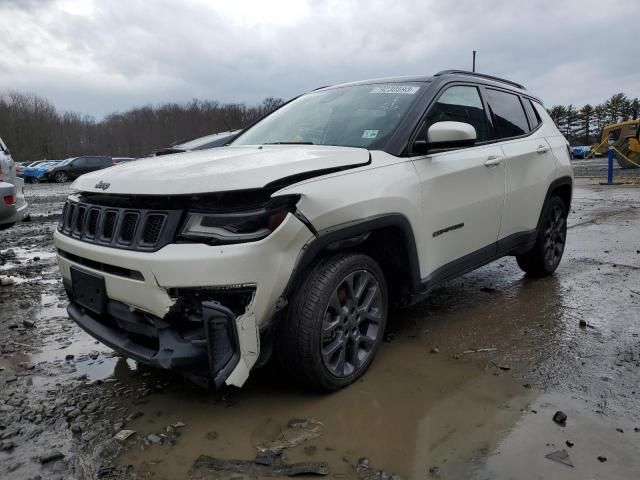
{"x": 288, "y": 143}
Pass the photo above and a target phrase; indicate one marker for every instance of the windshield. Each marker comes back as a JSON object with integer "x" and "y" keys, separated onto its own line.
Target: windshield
{"x": 355, "y": 116}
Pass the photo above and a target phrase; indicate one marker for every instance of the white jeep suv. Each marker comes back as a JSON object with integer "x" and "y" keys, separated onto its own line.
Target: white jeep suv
{"x": 297, "y": 236}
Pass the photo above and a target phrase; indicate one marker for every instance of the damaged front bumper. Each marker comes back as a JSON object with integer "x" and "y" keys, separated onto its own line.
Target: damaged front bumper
{"x": 153, "y": 285}
{"x": 203, "y": 343}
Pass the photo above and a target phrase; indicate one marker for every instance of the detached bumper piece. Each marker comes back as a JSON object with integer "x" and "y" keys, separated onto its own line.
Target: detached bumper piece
{"x": 205, "y": 347}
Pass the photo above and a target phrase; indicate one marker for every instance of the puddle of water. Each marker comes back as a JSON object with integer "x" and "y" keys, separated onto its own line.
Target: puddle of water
{"x": 62, "y": 337}
{"x": 591, "y": 436}
{"x": 405, "y": 415}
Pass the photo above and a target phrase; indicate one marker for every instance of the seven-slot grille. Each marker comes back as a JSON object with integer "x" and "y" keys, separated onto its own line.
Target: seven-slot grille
{"x": 133, "y": 229}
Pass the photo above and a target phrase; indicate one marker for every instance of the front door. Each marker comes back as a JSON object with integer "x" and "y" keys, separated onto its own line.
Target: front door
{"x": 462, "y": 190}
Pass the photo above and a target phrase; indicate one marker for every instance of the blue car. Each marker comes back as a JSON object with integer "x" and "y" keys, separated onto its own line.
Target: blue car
{"x": 581, "y": 151}
{"x": 39, "y": 172}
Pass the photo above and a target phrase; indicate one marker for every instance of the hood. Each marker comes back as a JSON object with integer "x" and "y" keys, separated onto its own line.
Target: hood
{"x": 221, "y": 169}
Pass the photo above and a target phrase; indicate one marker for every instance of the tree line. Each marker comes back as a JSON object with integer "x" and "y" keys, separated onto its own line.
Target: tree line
{"x": 582, "y": 126}
{"x": 34, "y": 129}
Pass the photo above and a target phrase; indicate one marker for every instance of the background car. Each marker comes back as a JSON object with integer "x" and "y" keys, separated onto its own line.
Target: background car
{"x": 118, "y": 160}
{"x": 39, "y": 172}
{"x": 13, "y": 206}
{"x": 202, "y": 143}
{"x": 74, "y": 167}
{"x": 21, "y": 166}
{"x": 581, "y": 151}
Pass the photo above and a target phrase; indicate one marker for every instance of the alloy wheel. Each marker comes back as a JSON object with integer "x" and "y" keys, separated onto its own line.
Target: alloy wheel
{"x": 351, "y": 323}
{"x": 555, "y": 234}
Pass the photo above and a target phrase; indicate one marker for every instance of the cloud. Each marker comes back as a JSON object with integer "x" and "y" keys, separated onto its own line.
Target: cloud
{"x": 99, "y": 56}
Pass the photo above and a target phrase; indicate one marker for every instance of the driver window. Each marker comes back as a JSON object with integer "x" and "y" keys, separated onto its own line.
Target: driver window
{"x": 460, "y": 104}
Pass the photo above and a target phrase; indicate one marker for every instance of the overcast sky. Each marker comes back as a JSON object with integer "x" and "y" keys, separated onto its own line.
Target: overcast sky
{"x": 99, "y": 56}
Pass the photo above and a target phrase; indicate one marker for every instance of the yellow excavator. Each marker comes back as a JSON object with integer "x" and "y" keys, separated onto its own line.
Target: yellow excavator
{"x": 624, "y": 138}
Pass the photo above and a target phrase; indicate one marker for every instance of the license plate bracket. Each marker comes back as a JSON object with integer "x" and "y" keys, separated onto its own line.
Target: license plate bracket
{"x": 89, "y": 290}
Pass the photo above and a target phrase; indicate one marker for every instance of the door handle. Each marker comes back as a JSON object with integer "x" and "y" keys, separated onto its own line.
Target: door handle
{"x": 493, "y": 161}
{"x": 542, "y": 149}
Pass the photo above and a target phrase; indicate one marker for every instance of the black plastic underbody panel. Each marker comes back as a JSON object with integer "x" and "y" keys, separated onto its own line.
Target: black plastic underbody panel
{"x": 208, "y": 348}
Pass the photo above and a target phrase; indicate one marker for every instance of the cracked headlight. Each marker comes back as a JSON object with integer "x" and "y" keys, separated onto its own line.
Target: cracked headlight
{"x": 237, "y": 227}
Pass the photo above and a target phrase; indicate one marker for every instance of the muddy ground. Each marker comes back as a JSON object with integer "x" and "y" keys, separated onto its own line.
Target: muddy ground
{"x": 466, "y": 385}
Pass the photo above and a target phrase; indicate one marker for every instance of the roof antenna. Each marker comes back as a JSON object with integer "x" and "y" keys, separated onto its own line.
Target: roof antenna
{"x": 474, "y": 62}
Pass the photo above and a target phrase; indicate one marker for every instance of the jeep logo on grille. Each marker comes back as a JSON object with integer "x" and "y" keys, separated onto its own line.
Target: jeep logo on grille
{"x": 102, "y": 185}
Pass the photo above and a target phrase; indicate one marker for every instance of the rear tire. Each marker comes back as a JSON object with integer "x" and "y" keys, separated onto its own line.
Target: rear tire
{"x": 61, "y": 177}
{"x": 335, "y": 322}
{"x": 545, "y": 256}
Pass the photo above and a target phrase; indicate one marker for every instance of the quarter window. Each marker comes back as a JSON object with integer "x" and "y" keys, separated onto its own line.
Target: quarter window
{"x": 534, "y": 117}
{"x": 508, "y": 115}
{"x": 460, "y": 104}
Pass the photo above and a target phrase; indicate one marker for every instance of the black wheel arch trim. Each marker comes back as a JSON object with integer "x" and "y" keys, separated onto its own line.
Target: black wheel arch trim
{"x": 553, "y": 186}
{"x": 558, "y": 182}
{"x": 350, "y": 234}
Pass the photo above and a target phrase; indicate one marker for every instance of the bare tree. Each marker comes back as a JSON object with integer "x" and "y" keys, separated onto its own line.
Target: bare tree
{"x": 34, "y": 129}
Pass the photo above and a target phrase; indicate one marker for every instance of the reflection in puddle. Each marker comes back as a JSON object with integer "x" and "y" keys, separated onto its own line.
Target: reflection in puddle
{"x": 66, "y": 351}
{"x": 405, "y": 415}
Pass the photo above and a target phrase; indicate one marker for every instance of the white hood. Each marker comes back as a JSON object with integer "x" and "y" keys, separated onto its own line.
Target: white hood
{"x": 218, "y": 169}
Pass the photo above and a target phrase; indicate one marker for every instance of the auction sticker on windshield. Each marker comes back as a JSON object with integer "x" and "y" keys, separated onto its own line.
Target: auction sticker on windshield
{"x": 370, "y": 133}
{"x": 406, "y": 89}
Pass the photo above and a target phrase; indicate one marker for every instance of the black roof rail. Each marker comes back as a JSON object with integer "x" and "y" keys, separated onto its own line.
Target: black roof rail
{"x": 481, "y": 75}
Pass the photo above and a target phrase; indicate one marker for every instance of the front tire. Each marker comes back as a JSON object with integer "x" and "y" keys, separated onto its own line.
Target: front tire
{"x": 335, "y": 322}
{"x": 545, "y": 256}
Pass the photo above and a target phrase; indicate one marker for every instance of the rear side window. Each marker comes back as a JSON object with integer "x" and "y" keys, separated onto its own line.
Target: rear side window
{"x": 460, "y": 104}
{"x": 99, "y": 161}
{"x": 508, "y": 115}
{"x": 534, "y": 118}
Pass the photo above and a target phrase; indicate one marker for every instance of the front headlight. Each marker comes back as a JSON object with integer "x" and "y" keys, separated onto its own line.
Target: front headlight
{"x": 237, "y": 227}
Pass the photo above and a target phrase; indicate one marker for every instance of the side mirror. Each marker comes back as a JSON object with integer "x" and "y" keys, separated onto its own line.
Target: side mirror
{"x": 447, "y": 135}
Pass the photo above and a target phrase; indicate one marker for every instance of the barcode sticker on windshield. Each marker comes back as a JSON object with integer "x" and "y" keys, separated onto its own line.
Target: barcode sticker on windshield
{"x": 406, "y": 89}
{"x": 370, "y": 133}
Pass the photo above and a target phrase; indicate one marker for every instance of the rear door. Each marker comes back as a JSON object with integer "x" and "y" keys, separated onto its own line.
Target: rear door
{"x": 529, "y": 161}
{"x": 79, "y": 166}
{"x": 94, "y": 163}
{"x": 98, "y": 163}
{"x": 462, "y": 190}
